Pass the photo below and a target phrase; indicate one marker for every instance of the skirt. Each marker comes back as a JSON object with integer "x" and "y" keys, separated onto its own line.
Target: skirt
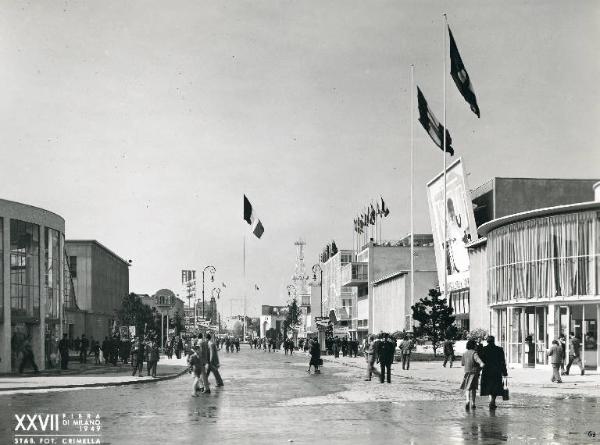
{"x": 470, "y": 381}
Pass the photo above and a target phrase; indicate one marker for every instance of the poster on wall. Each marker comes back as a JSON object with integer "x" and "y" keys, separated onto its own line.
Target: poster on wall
{"x": 461, "y": 228}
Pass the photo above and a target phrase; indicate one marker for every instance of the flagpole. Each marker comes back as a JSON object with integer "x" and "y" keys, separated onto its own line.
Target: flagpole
{"x": 245, "y": 286}
{"x": 444, "y": 155}
{"x": 412, "y": 186}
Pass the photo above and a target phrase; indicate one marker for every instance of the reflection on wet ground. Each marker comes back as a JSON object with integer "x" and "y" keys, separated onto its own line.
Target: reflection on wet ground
{"x": 269, "y": 398}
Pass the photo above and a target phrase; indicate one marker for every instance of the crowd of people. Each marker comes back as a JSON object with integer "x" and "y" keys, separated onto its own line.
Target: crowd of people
{"x": 203, "y": 361}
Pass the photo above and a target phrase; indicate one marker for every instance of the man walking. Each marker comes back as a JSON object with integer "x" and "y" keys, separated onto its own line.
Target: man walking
{"x": 138, "y": 358}
{"x": 106, "y": 350}
{"x": 213, "y": 362}
{"x": 574, "y": 354}
{"x": 448, "y": 352}
{"x": 371, "y": 356}
{"x": 387, "y": 346}
{"x": 63, "y": 348}
{"x": 83, "y": 350}
{"x": 556, "y": 357}
{"x": 199, "y": 362}
{"x": 153, "y": 357}
{"x": 406, "y": 348}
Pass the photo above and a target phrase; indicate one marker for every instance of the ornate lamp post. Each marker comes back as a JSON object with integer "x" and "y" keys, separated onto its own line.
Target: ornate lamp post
{"x": 318, "y": 270}
{"x": 211, "y": 270}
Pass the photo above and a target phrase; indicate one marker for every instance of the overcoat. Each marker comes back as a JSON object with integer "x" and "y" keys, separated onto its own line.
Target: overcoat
{"x": 495, "y": 367}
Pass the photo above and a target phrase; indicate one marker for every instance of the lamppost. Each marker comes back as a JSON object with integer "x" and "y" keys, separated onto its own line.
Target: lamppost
{"x": 212, "y": 297}
{"x": 318, "y": 270}
{"x": 212, "y": 271}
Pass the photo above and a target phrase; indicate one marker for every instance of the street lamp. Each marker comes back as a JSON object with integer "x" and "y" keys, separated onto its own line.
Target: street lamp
{"x": 318, "y": 270}
{"x": 212, "y": 297}
{"x": 212, "y": 271}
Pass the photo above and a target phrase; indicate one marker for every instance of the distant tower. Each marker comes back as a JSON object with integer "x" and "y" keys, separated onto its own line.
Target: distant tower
{"x": 300, "y": 278}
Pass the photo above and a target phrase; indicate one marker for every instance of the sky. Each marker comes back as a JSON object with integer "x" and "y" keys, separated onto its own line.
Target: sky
{"x": 143, "y": 123}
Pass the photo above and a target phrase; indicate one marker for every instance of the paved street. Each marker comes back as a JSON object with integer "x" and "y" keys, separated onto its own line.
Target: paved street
{"x": 269, "y": 398}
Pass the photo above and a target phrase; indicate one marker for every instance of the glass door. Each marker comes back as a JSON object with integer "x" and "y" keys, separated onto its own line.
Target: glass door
{"x": 590, "y": 336}
{"x": 541, "y": 337}
{"x": 515, "y": 335}
{"x": 530, "y": 337}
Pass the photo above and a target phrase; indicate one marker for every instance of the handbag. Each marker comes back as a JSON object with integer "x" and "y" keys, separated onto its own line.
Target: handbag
{"x": 505, "y": 393}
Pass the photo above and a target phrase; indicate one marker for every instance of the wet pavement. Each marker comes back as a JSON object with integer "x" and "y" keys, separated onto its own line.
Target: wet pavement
{"x": 269, "y": 398}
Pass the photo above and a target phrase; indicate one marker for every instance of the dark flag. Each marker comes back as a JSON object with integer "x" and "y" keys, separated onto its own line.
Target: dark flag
{"x": 256, "y": 287}
{"x": 432, "y": 126}
{"x": 384, "y": 210}
{"x": 251, "y": 218}
{"x": 373, "y": 216}
{"x": 461, "y": 77}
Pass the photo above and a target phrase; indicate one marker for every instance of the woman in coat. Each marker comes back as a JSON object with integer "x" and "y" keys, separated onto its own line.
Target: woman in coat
{"x": 472, "y": 364}
{"x": 495, "y": 369}
{"x": 315, "y": 356}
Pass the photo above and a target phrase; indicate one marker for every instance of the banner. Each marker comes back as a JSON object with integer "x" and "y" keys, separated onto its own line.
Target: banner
{"x": 461, "y": 227}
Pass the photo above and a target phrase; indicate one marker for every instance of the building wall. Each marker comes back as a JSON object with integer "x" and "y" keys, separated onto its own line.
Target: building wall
{"x": 479, "y": 316}
{"x": 389, "y": 305}
{"x": 82, "y": 282}
{"x": 110, "y": 280}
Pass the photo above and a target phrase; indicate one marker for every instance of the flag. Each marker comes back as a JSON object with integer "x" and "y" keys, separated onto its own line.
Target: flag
{"x": 461, "y": 77}
{"x": 256, "y": 287}
{"x": 378, "y": 210}
{"x": 372, "y": 215}
{"x": 432, "y": 125}
{"x": 384, "y": 209}
{"x": 251, "y": 218}
{"x": 223, "y": 285}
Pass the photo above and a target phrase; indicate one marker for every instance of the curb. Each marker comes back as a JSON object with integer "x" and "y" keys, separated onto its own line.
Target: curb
{"x": 96, "y": 385}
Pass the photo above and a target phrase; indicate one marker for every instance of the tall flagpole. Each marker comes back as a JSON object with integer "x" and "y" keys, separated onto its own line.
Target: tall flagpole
{"x": 245, "y": 290}
{"x": 412, "y": 186}
{"x": 444, "y": 155}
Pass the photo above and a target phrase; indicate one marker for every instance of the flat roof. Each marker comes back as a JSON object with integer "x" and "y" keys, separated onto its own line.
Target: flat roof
{"x": 489, "y": 226}
{"x": 99, "y": 244}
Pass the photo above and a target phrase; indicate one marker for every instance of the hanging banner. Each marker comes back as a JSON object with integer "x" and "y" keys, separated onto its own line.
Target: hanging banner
{"x": 461, "y": 227}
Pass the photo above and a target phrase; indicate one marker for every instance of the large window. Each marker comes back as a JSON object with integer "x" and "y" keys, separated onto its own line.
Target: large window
{"x": 545, "y": 257}
{"x": 24, "y": 269}
{"x": 52, "y": 272}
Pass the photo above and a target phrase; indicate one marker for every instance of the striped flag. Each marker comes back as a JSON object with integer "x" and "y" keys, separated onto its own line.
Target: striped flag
{"x": 432, "y": 126}
{"x": 251, "y": 218}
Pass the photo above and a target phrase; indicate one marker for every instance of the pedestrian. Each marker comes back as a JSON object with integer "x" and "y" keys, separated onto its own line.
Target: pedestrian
{"x": 153, "y": 355}
{"x": 28, "y": 358}
{"x": 406, "y": 347}
{"x": 291, "y": 346}
{"x": 63, "y": 349}
{"x": 556, "y": 358}
{"x": 137, "y": 360}
{"x": 198, "y": 367}
{"x": 95, "y": 349}
{"x": 178, "y": 347}
{"x": 344, "y": 347}
{"x": 449, "y": 352}
{"x": 83, "y": 349}
{"x": 237, "y": 344}
{"x": 472, "y": 365}
{"x": 114, "y": 350}
{"x": 200, "y": 363}
{"x": 106, "y": 350}
{"x": 574, "y": 353}
{"x": 77, "y": 344}
{"x": 270, "y": 344}
{"x": 213, "y": 361}
{"x": 385, "y": 354}
{"x": 336, "y": 347}
{"x": 562, "y": 342}
{"x": 495, "y": 369}
{"x": 315, "y": 356}
{"x": 371, "y": 356}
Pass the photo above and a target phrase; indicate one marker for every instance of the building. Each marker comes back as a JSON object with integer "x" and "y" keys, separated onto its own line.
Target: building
{"x": 272, "y": 317}
{"x": 100, "y": 279}
{"x": 168, "y": 307}
{"x": 32, "y": 283}
{"x": 381, "y": 277}
{"x": 537, "y": 269}
{"x": 338, "y": 300}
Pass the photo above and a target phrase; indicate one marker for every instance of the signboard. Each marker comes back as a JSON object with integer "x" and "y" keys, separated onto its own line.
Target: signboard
{"x": 124, "y": 332}
{"x": 131, "y": 331}
{"x": 461, "y": 227}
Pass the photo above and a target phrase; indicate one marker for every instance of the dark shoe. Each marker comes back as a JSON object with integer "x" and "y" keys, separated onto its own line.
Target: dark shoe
{"x": 367, "y": 380}
{"x": 207, "y": 391}
{"x": 220, "y": 384}
{"x": 559, "y": 381}
{"x": 582, "y": 371}
{"x": 564, "y": 373}
{"x": 467, "y": 406}
{"x": 473, "y": 406}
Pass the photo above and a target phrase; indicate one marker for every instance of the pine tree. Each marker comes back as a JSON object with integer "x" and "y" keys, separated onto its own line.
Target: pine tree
{"x": 435, "y": 318}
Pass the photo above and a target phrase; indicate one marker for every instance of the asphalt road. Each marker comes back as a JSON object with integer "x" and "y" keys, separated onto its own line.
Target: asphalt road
{"x": 270, "y": 398}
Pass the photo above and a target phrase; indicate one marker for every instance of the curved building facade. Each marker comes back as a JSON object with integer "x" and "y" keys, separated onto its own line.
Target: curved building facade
{"x": 32, "y": 277}
{"x": 543, "y": 280}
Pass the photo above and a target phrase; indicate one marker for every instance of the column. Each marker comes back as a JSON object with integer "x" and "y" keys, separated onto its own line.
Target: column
{"x": 5, "y": 364}
{"x": 39, "y": 331}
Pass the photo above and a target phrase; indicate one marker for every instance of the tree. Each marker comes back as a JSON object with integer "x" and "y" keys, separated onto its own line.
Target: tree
{"x": 292, "y": 319}
{"x": 435, "y": 318}
{"x": 178, "y": 323}
{"x": 334, "y": 248}
{"x": 238, "y": 329}
{"x": 135, "y": 313}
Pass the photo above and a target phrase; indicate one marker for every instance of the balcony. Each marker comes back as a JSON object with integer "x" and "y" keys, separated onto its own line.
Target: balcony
{"x": 355, "y": 274}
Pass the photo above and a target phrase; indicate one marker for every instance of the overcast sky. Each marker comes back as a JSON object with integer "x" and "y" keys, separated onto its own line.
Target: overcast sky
{"x": 142, "y": 123}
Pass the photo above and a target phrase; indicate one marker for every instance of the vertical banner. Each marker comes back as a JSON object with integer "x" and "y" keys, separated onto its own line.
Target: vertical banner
{"x": 461, "y": 225}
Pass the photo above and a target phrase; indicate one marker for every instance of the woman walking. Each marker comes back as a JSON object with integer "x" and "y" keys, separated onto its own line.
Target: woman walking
{"x": 472, "y": 363}
{"x": 315, "y": 356}
{"x": 495, "y": 368}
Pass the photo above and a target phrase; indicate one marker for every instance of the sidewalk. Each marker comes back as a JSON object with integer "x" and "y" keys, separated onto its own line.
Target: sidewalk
{"x": 89, "y": 375}
{"x": 521, "y": 380}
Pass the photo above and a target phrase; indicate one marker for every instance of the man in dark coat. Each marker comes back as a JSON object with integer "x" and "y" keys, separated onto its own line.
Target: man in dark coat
{"x": 83, "y": 349}
{"x": 387, "y": 347}
{"x": 63, "y": 348}
{"x": 448, "y": 352}
{"x": 106, "y": 350}
{"x": 493, "y": 371}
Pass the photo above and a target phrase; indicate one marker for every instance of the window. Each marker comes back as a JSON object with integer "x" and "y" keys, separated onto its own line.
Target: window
{"x": 73, "y": 266}
{"x": 52, "y": 272}
{"x": 24, "y": 269}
